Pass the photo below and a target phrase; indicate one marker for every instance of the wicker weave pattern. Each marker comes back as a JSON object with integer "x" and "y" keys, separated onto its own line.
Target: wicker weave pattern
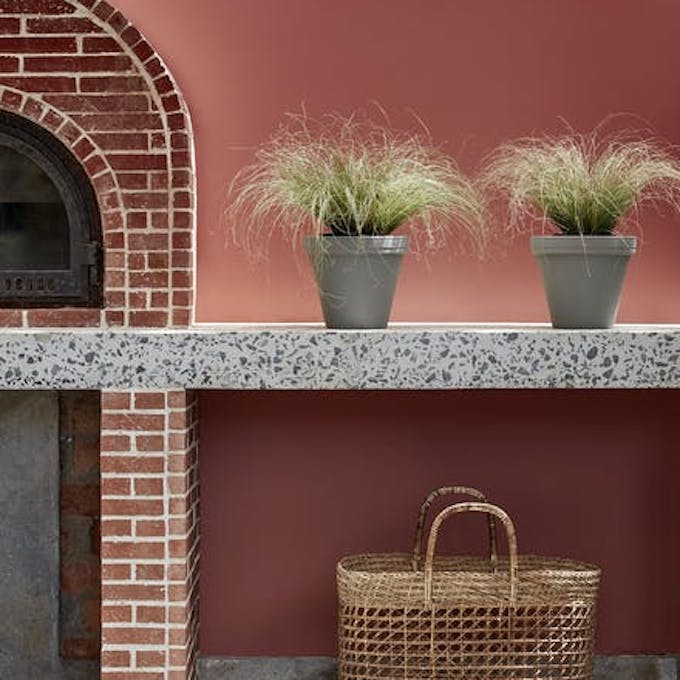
{"x": 466, "y": 618}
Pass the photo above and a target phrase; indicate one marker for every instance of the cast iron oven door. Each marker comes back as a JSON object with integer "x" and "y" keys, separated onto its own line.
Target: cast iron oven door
{"x": 50, "y": 227}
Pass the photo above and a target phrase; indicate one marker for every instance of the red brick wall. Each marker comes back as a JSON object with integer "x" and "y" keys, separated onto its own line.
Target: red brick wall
{"x": 83, "y": 72}
{"x": 78, "y": 68}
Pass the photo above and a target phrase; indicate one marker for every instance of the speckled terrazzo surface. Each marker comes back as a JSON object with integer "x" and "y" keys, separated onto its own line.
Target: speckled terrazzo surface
{"x": 308, "y": 357}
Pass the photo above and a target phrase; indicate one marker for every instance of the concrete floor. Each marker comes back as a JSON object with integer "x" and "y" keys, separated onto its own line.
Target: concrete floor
{"x": 323, "y": 668}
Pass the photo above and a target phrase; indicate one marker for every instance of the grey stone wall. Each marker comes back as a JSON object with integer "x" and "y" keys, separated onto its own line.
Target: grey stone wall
{"x": 29, "y": 535}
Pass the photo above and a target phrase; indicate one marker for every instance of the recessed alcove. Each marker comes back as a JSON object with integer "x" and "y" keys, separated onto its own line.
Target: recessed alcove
{"x": 584, "y": 474}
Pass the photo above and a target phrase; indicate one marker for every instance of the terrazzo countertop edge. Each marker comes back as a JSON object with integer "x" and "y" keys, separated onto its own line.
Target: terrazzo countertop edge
{"x": 409, "y": 357}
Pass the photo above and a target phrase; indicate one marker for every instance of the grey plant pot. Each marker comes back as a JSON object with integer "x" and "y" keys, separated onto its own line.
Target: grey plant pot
{"x": 583, "y": 277}
{"x": 357, "y": 277}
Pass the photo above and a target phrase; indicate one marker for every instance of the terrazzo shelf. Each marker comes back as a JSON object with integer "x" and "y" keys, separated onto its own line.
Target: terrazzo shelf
{"x": 413, "y": 357}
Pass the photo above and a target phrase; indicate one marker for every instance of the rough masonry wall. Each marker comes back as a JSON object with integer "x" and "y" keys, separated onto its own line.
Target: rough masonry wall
{"x": 79, "y": 525}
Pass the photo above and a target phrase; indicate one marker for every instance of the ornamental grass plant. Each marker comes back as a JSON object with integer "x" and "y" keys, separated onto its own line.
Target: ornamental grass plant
{"x": 351, "y": 177}
{"x": 583, "y": 184}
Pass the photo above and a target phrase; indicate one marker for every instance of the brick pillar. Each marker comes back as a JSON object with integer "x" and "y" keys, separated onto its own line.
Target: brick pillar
{"x": 149, "y": 535}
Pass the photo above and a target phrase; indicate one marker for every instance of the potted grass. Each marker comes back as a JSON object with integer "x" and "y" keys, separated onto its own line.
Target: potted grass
{"x": 585, "y": 189}
{"x": 342, "y": 186}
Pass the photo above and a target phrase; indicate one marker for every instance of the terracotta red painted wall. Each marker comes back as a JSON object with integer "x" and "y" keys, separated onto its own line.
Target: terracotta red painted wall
{"x": 292, "y": 481}
{"x": 478, "y": 71}
{"x": 290, "y": 475}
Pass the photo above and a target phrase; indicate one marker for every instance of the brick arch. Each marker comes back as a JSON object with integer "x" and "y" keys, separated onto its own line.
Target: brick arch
{"x": 103, "y": 180}
{"x": 79, "y": 68}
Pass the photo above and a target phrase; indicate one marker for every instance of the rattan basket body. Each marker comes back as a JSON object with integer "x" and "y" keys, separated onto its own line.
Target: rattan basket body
{"x": 466, "y": 618}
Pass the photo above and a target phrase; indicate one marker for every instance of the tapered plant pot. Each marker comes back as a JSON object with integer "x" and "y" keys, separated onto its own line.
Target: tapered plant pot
{"x": 356, "y": 277}
{"x": 583, "y": 277}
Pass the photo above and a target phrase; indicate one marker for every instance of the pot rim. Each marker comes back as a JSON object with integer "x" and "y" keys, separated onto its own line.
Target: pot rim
{"x": 586, "y": 244}
{"x": 339, "y": 245}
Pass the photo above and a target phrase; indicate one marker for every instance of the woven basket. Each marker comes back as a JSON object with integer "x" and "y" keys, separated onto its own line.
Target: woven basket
{"x": 466, "y": 618}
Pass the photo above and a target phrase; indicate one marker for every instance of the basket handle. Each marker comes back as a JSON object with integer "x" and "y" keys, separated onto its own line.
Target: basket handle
{"x": 449, "y": 491}
{"x": 488, "y": 509}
